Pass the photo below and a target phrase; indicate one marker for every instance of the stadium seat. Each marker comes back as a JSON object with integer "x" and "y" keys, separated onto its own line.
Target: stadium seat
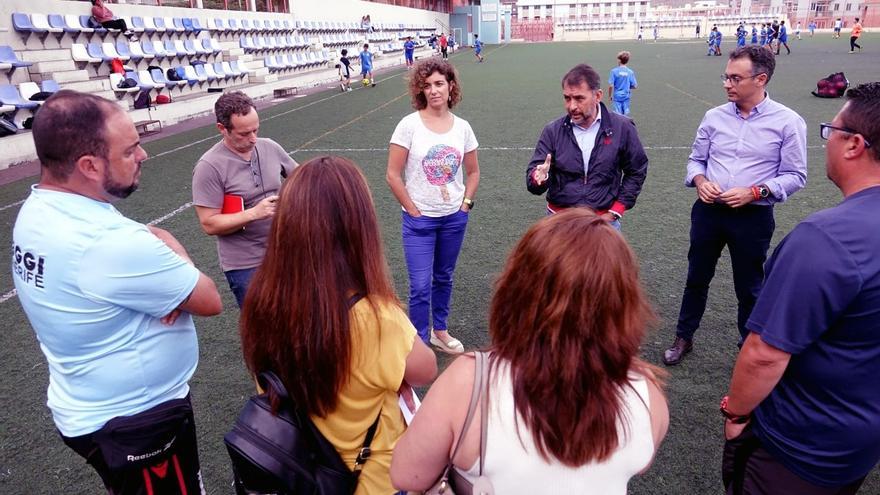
{"x": 49, "y": 86}
{"x": 247, "y": 44}
{"x": 198, "y": 47}
{"x": 237, "y": 68}
{"x": 7, "y": 56}
{"x": 147, "y": 82}
{"x": 213, "y": 75}
{"x": 22, "y": 24}
{"x": 202, "y": 73}
{"x": 109, "y": 50}
{"x": 220, "y": 25}
{"x": 137, "y": 24}
{"x": 150, "y": 25}
{"x": 171, "y": 49}
{"x": 28, "y": 89}
{"x": 123, "y": 48}
{"x": 159, "y": 50}
{"x": 245, "y": 25}
{"x": 197, "y": 25}
{"x": 183, "y": 47}
{"x": 9, "y": 95}
{"x": 170, "y": 26}
{"x": 160, "y": 25}
{"x": 159, "y": 77}
{"x": 190, "y": 74}
{"x": 57, "y": 21}
{"x": 177, "y": 22}
{"x": 229, "y": 71}
{"x": 41, "y": 21}
{"x": 217, "y": 67}
{"x": 207, "y": 47}
{"x": 137, "y": 50}
{"x": 79, "y": 53}
{"x": 94, "y": 50}
{"x": 272, "y": 64}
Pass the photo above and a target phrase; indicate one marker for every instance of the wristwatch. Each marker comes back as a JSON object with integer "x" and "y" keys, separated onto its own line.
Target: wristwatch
{"x": 733, "y": 418}
{"x": 469, "y": 202}
{"x": 617, "y": 216}
{"x": 764, "y": 191}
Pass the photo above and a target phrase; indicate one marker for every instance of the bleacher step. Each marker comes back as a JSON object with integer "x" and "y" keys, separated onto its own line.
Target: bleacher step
{"x": 267, "y": 78}
{"x": 53, "y": 66}
{"x": 90, "y": 86}
{"x": 48, "y": 55}
{"x": 64, "y": 76}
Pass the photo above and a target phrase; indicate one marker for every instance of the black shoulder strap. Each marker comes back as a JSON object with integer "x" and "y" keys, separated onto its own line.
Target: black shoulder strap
{"x": 365, "y": 452}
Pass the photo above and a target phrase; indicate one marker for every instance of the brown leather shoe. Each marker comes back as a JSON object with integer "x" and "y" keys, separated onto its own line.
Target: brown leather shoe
{"x": 676, "y": 353}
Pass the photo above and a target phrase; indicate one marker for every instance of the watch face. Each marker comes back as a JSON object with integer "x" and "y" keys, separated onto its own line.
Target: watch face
{"x": 765, "y": 191}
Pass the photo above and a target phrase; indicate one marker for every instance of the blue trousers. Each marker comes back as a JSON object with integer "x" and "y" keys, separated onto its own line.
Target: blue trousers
{"x": 746, "y": 231}
{"x": 431, "y": 246}
{"x": 238, "y": 282}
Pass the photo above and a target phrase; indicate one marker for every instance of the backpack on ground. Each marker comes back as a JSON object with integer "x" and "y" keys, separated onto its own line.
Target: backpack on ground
{"x": 142, "y": 100}
{"x": 162, "y": 99}
{"x": 833, "y": 86}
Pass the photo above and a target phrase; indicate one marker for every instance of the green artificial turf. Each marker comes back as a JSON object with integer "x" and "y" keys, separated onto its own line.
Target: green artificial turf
{"x": 507, "y": 100}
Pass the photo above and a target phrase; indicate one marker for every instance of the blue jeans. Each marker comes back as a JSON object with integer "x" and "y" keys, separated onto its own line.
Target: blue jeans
{"x": 621, "y": 106}
{"x": 431, "y": 246}
{"x": 239, "y": 281}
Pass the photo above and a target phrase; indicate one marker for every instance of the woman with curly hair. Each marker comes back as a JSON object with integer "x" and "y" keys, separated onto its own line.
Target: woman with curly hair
{"x": 428, "y": 148}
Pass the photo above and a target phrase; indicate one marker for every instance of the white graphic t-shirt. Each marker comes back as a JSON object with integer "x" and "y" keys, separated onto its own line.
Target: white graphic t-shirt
{"x": 433, "y": 175}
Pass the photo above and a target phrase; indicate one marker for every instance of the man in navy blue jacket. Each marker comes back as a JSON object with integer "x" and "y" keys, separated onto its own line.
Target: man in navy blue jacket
{"x": 588, "y": 157}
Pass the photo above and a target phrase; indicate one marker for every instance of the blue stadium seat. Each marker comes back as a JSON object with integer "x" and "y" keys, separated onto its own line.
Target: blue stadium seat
{"x": 49, "y": 86}
{"x": 196, "y": 25}
{"x": 137, "y": 24}
{"x": 94, "y": 50}
{"x": 188, "y": 24}
{"x": 7, "y": 56}
{"x": 57, "y": 21}
{"x": 9, "y": 95}
{"x": 22, "y": 24}
{"x": 84, "y": 22}
{"x": 123, "y": 49}
{"x": 160, "y": 78}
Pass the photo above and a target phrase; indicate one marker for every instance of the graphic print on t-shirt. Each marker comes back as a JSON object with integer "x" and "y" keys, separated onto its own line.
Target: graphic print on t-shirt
{"x": 440, "y": 164}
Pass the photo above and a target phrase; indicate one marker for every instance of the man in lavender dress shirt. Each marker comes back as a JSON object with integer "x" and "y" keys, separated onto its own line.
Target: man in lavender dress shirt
{"x": 749, "y": 154}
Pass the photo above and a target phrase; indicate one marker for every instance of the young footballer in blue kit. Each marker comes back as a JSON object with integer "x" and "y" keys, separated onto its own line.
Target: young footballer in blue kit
{"x": 621, "y": 82}
{"x": 367, "y": 66}
{"x": 478, "y": 48}
{"x": 409, "y": 47}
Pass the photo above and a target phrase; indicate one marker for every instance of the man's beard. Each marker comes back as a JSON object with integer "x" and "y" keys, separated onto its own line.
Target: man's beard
{"x": 117, "y": 189}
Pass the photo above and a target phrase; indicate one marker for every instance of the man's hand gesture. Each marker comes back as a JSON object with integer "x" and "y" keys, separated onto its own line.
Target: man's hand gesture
{"x": 542, "y": 171}
{"x": 265, "y": 208}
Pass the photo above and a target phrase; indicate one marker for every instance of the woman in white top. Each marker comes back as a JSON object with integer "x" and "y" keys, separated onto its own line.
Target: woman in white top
{"x": 572, "y": 409}
{"x": 425, "y": 159}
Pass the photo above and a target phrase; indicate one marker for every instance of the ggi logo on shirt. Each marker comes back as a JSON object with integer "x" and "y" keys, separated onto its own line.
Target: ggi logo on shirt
{"x": 28, "y": 266}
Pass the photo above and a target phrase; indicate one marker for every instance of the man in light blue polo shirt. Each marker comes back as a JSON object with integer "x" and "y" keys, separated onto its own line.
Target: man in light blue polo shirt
{"x": 621, "y": 82}
{"x": 111, "y": 301}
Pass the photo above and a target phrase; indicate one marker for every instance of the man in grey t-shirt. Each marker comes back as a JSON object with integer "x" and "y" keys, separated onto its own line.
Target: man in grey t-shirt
{"x": 235, "y": 187}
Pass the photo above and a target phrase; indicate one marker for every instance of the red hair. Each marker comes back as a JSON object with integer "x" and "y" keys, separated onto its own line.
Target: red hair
{"x": 568, "y": 315}
{"x": 323, "y": 247}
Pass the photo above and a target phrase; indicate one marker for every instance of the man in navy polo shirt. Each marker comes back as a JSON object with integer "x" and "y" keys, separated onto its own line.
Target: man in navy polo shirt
{"x": 803, "y": 414}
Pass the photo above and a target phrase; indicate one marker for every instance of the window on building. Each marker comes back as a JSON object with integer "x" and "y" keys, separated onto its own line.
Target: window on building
{"x": 836, "y": 7}
{"x": 848, "y": 6}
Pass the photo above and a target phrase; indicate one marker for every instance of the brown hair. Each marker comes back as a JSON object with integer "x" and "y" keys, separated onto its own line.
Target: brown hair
{"x": 232, "y": 103}
{"x": 323, "y": 247}
{"x": 582, "y": 73}
{"x": 860, "y": 113}
{"x": 568, "y": 315}
{"x": 763, "y": 60}
{"x": 425, "y": 69}
{"x": 623, "y": 57}
{"x": 69, "y": 126}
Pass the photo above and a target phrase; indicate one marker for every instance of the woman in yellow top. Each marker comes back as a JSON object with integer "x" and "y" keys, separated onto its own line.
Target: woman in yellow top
{"x": 342, "y": 365}
{"x": 856, "y": 32}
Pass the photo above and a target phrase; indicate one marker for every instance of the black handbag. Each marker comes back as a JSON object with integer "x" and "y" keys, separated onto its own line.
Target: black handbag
{"x": 285, "y": 453}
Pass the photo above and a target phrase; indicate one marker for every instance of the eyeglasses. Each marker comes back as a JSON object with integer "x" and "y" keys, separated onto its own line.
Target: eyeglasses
{"x": 735, "y": 80}
{"x": 826, "y": 128}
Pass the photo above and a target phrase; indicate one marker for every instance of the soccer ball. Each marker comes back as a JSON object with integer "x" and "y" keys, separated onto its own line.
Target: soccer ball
{"x": 366, "y": 82}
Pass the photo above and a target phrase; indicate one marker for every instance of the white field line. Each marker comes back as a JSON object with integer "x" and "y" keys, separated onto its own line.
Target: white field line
{"x": 9, "y": 295}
